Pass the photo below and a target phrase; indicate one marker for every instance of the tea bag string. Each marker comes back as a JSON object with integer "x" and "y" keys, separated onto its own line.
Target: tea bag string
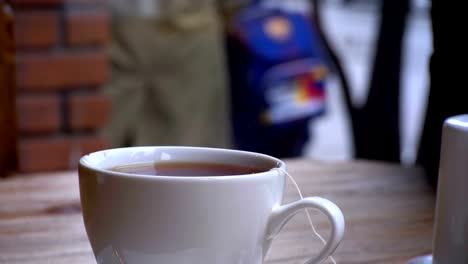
{"x": 279, "y": 170}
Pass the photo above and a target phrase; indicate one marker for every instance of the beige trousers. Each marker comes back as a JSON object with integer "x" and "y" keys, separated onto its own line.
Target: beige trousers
{"x": 168, "y": 83}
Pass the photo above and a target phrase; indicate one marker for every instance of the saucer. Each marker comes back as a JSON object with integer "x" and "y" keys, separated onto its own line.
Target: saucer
{"x": 427, "y": 259}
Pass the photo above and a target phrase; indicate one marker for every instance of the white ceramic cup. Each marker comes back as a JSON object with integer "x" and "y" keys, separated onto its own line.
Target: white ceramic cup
{"x": 139, "y": 219}
{"x": 451, "y": 220}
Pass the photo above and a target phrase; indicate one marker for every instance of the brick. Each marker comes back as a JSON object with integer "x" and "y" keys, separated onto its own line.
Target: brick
{"x": 58, "y": 71}
{"x": 87, "y": 28}
{"x": 38, "y": 114}
{"x": 36, "y": 29}
{"x": 88, "y": 111}
{"x": 47, "y": 154}
{"x": 92, "y": 143}
{"x": 43, "y": 154}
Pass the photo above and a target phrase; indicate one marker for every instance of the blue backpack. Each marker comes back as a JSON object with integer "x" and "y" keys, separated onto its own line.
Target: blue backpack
{"x": 277, "y": 80}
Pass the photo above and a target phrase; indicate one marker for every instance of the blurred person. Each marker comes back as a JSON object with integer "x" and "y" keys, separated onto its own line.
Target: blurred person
{"x": 167, "y": 84}
{"x": 277, "y": 77}
{"x": 448, "y": 93}
{"x": 376, "y": 124}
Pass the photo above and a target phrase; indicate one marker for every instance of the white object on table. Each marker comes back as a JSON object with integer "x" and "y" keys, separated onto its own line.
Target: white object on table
{"x": 451, "y": 221}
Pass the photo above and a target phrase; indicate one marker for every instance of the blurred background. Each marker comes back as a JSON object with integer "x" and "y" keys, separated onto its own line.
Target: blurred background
{"x": 292, "y": 78}
{"x": 353, "y": 29}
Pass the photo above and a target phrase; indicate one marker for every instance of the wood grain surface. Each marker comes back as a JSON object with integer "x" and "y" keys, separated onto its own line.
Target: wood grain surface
{"x": 389, "y": 215}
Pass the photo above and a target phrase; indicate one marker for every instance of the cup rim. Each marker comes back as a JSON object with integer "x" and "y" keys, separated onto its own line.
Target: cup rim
{"x": 459, "y": 122}
{"x": 85, "y": 162}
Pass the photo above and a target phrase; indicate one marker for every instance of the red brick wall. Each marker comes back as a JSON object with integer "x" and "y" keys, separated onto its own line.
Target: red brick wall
{"x": 61, "y": 65}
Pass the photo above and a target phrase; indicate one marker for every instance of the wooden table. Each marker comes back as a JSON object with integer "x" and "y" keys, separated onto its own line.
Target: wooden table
{"x": 388, "y": 209}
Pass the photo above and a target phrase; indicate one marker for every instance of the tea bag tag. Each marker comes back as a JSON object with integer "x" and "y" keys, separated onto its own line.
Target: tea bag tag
{"x": 279, "y": 170}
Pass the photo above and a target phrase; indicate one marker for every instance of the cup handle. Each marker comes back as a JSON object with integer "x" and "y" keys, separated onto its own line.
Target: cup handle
{"x": 282, "y": 214}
